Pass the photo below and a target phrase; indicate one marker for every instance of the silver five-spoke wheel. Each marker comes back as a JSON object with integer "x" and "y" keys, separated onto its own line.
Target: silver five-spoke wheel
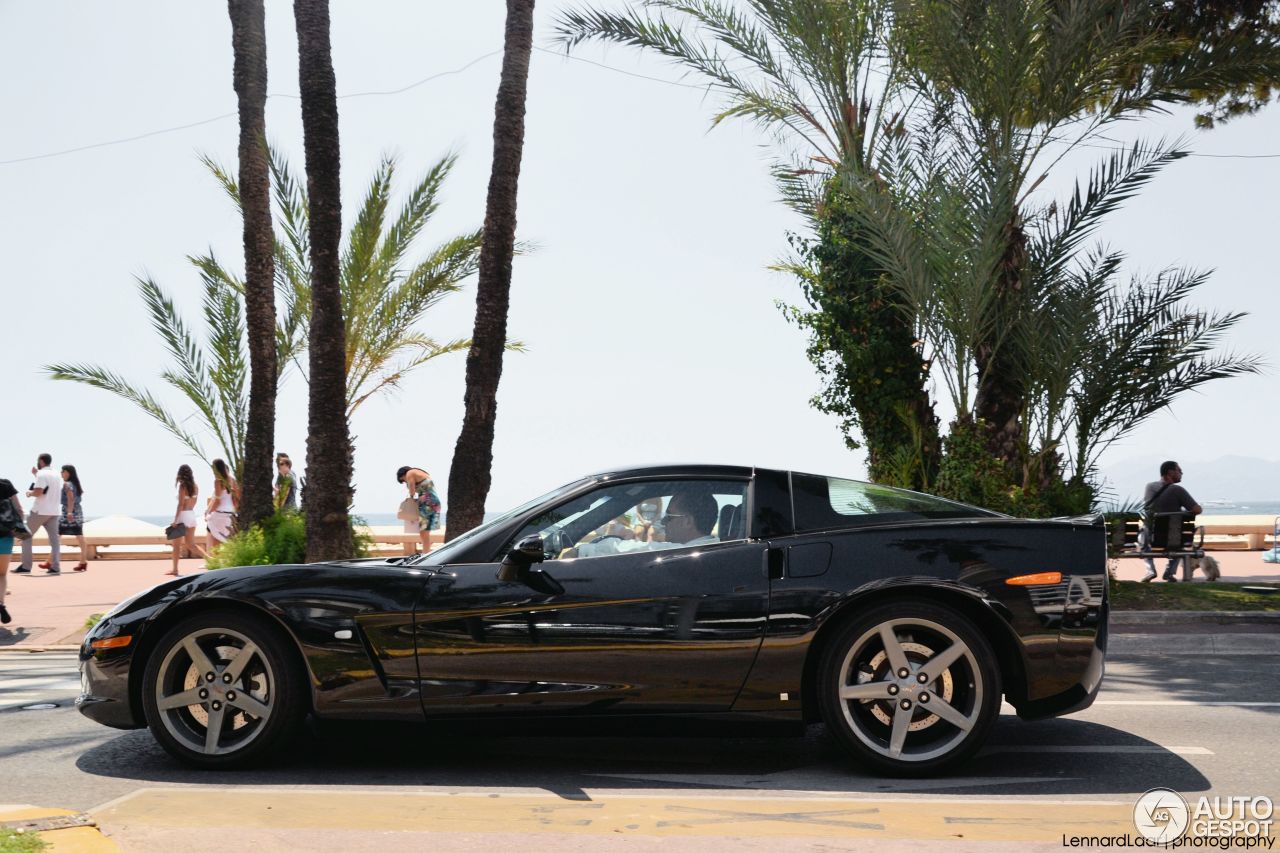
{"x": 221, "y": 689}
{"x": 910, "y": 687}
{"x": 215, "y": 690}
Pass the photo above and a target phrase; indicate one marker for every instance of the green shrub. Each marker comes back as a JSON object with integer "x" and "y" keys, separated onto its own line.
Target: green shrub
{"x": 280, "y": 540}
{"x": 13, "y": 841}
{"x": 94, "y": 619}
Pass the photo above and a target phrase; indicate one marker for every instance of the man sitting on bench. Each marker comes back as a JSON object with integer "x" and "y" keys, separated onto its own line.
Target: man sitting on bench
{"x": 1166, "y": 496}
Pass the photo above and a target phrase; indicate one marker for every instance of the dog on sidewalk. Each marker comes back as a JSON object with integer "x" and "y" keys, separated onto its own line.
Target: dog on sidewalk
{"x": 1207, "y": 564}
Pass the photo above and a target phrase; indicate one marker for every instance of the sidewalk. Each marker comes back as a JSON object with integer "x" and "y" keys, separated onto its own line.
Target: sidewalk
{"x": 1237, "y": 567}
{"x": 50, "y": 610}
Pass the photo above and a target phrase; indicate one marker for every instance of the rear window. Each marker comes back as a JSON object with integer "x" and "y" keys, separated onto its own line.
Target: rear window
{"x": 822, "y": 503}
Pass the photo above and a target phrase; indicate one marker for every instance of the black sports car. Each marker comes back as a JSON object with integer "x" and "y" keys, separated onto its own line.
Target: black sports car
{"x": 898, "y": 619}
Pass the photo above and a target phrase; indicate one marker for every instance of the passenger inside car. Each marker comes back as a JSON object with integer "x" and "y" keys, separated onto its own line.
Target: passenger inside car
{"x": 689, "y": 520}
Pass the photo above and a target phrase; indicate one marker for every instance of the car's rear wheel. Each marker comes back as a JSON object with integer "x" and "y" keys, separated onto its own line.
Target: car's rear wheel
{"x": 909, "y": 688}
{"x": 222, "y": 689}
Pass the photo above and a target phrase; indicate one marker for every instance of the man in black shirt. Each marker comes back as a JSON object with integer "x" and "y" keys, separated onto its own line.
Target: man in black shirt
{"x": 1167, "y": 495}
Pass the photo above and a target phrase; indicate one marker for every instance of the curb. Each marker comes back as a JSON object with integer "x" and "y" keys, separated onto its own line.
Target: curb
{"x": 37, "y": 648}
{"x": 64, "y": 830}
{"x": 1195, "y": 617}
{"x": 1122, "y": 645}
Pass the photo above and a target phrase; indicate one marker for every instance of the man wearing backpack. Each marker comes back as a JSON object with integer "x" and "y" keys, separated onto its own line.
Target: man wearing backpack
{"x": 1167, "y": 495}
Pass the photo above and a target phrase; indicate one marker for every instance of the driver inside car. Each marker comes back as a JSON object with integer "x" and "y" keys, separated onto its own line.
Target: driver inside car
{"x": 689, "y": 519}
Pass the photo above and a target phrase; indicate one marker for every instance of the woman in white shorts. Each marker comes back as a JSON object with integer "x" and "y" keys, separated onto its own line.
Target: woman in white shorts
{"x": 185, "y": 514}
{"x": 220, "y": 515}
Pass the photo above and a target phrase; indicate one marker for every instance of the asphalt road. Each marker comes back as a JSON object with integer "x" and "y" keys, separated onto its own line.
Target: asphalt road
{"x": 1203, "y": 723}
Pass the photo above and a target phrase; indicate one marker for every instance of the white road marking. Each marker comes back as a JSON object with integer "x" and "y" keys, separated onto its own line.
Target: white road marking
{"x": 1183, "y": 702}
{"x": 41, "y": 680}
{"x": 1117, "y": 748}
{"x": 808, "y": 778}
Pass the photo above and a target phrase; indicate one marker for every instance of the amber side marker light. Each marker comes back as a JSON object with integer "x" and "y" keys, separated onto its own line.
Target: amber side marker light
{"x": 111, "y": 643}
{"x": 1036, "y": 579}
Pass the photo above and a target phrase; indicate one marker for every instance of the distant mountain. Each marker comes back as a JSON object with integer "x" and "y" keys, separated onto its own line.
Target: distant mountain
{"x": 1229, "y": 478}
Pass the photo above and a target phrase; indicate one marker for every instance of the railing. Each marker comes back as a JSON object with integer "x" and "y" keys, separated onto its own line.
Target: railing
{"x": 115, "y": 547}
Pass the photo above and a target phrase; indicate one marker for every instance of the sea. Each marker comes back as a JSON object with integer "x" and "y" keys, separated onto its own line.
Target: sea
{"x": 1271, "y": 508}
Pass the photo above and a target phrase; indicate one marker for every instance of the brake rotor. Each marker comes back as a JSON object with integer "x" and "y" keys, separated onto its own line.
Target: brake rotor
{"x": 251, "y": 682}
{"x": 917, "y": 656}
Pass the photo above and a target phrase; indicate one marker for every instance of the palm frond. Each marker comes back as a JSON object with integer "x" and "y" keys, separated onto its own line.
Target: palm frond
{"x": 98, "y": 377}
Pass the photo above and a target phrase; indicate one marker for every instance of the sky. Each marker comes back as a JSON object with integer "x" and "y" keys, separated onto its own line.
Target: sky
{"x": 648, "y": 309}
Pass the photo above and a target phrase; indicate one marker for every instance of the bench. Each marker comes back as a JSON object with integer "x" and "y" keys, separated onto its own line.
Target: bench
{"x": 1173, "y": 534}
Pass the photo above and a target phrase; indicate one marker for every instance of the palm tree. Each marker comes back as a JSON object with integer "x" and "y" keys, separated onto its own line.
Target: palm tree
{"x": 1020, "y": 83}
{"x": 471, "y": 471}
{"x": 819, "y": 76}
{"x": 384, "y": 297}
{"x": 329, "y": 462}
{"x": 249, "y": 46}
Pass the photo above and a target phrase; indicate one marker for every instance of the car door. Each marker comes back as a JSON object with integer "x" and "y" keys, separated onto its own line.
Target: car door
{"x": 672, "y": 627}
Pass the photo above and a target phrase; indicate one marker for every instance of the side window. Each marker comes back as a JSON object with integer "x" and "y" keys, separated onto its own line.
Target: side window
{"x": 647, "y": 516}
{"x": 823, "y": 503}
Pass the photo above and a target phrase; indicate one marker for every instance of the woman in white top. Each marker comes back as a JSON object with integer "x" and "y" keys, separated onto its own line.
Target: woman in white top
{"x": 185, "y": 514}
{"x": 220, "y": 515}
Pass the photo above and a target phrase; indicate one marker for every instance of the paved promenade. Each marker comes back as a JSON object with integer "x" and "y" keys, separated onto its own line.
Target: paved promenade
{"x": 51, "y": 609}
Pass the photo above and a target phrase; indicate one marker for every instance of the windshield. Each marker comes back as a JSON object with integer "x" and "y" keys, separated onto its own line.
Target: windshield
{"x": 445, "y": 553}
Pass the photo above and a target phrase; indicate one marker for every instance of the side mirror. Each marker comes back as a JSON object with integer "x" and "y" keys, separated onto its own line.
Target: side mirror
{"x": 515, "y": 566}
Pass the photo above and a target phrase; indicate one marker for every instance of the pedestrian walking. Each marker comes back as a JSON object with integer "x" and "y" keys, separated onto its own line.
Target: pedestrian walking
{"x": 220, "y": 514}
{"x": 183, "y": 530}
{"x": 72, "y": 521}
{"x": 286, "y": 490}
{"x": 10, "y": 518}
{"x": 46, "y": 509}
{"x": 1167, "y": 495}
{"x": 422, "y": 491}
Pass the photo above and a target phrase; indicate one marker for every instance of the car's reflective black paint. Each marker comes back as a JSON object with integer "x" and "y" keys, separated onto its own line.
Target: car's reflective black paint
{"x": 732, "y": 626}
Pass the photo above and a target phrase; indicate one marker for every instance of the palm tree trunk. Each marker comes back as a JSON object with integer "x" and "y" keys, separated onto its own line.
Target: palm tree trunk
{"x": 1001, "y": 388}
{"x": 470, "y": 474}
{"x": 249, "y": 44}
{"x": 328, "y": 438}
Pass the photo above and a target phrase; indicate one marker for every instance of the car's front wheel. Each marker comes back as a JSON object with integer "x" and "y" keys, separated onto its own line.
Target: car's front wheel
{"x": 221, "y": 689}
{"x": 910, "y": 688}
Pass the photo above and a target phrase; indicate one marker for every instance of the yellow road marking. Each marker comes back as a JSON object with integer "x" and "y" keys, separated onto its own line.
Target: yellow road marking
{"x": 77, "y": 839}
{"x": 694, "y": 815}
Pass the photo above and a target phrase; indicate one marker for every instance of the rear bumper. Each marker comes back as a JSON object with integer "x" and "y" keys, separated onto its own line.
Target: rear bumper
{"x": 1081, "y": 651}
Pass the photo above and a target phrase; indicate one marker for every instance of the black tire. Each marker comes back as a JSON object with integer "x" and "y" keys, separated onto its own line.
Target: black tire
{"x": 882, "y": 707}
{"x": 258, "y": 702}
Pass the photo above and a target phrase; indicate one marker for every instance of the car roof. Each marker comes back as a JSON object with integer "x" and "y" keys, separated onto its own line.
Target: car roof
{"x": 675, "y": 470}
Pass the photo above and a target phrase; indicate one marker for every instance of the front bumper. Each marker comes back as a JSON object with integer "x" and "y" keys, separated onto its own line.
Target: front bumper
{"x": 104, "y": 684}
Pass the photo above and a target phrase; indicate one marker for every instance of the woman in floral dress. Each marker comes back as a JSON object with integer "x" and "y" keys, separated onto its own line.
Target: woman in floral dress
{"x": 423, "y": 492}
{"x": 72, "y": 521}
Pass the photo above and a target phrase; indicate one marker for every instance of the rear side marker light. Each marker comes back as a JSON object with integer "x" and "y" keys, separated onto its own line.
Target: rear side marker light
{"x": 111, "y": 643}
{"x": 1035, "y": 580}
